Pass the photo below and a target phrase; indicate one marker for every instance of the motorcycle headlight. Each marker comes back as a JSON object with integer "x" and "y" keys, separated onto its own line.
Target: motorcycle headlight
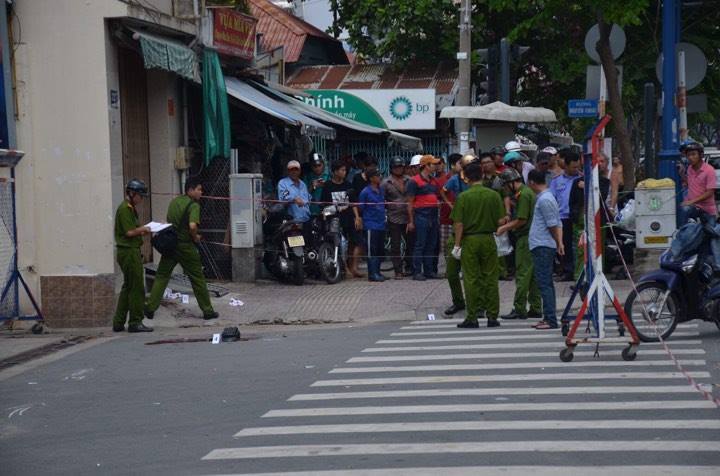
{"x": 689, "y": 264}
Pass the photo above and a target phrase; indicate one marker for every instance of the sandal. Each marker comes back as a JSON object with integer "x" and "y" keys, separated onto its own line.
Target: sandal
{"x": 538, "y": 323}
{"x": 542, "y": 326}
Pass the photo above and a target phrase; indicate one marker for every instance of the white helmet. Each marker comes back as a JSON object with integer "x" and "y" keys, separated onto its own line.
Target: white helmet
{"x": 415, "y": 161}
{"x": 550, "y": 150}
{"x": 513, "y": 145}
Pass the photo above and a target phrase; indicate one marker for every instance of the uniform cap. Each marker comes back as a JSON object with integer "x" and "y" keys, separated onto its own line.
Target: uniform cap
{"x": 509, "y": 175}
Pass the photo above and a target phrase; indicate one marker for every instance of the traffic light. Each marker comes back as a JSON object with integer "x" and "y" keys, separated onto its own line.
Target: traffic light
{"x": 488, "y": 83}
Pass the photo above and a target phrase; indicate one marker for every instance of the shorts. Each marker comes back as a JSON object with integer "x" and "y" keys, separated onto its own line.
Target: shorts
{"x": 353, "y": 236}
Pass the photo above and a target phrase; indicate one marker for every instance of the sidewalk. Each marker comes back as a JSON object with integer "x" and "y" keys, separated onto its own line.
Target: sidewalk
{"x": 268, "y": 303}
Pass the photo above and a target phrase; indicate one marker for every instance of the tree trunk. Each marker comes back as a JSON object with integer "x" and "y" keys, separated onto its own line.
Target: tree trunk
{"x": 616, "y": 106}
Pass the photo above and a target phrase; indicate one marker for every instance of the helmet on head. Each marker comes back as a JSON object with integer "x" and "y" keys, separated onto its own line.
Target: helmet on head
{"x": 397, "y": 161}
{"x": 467, "y": 159}
{"x": 137, "y": 186}
{"x": 415, "y": 161}
{"x": 550, "y": 150}
{"x": 514, "y": 156}
{"x": 498, "y": 150}
{"x": 509, "y": 175}
{"x": 317, "y": 159}
{"x": 513, "y": 145}
{"x": 689, "y": 145}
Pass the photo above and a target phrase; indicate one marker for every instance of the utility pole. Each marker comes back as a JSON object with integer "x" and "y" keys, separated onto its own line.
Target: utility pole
{"x": 462, "y": 126}
{"x": 505, "y": 71}
{"x": 670, "y": 37}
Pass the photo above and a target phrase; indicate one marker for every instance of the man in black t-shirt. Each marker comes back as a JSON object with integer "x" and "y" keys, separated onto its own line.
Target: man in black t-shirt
{"x": 340, "y": 193}
{"x": 360, "y": 181}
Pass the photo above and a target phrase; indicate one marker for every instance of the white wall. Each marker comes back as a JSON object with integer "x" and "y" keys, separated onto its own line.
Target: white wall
{"x": 65, "y": 213}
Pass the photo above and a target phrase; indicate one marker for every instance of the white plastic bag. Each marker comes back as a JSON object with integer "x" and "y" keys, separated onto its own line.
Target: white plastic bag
{"x": 626, "y": 218}
{"x": 502, "y": 242}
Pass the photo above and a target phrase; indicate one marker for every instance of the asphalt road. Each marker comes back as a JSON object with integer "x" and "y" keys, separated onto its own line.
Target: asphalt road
{"x": 394, "y": 398}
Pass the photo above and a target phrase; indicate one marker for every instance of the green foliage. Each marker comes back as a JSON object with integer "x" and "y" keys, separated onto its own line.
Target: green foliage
{"x": 553, "y": 71}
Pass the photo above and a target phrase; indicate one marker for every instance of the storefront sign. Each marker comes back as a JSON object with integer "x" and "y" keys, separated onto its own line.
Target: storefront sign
{"x": 234, "y": 33}
{"x": 395, "y": 109}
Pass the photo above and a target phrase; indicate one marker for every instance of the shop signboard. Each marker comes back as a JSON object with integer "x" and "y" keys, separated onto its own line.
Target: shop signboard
{"x": 234, "y": 33}
{"x": 396, "y": 109}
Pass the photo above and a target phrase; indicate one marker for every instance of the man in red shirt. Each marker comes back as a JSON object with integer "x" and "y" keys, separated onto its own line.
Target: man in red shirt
{"x": 423, "y": 218}
{"x": 700, "y": 201}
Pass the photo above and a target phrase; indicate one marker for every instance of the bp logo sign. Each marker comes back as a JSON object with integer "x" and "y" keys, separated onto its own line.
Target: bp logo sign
{"x": 401, "y": 108}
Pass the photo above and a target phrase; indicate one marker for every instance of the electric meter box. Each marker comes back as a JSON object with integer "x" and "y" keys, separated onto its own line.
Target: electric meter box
{"x": 655, "y": 217}
{"x": 245, "y": 210}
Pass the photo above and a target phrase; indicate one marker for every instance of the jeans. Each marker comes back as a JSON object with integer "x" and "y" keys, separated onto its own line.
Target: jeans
{"x": 543, "y": 257}
{"x": 427, "y": 229}
{"x": 690, "y": 211}
{"x": 376, "y": 249}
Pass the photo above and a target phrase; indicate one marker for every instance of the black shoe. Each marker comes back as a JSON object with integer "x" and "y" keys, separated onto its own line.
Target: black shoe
{"x": 506, "y": 278}
{"x": 455, "y": 308}
{"x": 534, "y": 315}
{"x": 211, "y": 315}
{"x": 419, "y": 277}
{"x": 432, "y": 276}
{"x": 149, "y": 314}
{"x": 119, "y": 328}
{"x": 513, "y": 315}
{"x": 469, "y": 324}
{"x": 140, "y": 328}
{"x": 565, "y": 278}
{"x": 493, "y": 323}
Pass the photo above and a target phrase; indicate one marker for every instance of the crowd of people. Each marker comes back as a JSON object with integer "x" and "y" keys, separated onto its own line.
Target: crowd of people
{"x": 455, "y": 210}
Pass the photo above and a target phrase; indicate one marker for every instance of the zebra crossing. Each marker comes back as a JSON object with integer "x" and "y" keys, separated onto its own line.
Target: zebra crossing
{"x": 431, "y": 399}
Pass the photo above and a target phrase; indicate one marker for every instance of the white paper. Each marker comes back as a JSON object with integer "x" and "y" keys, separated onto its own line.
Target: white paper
{"x": 431, "y": 317}
{"x": 185, "y": 299}
{"x": 216, "y": 339}
{"x": 236, "y": 302}
{"x": 168, "y": 293}
{"x": 156, "y": 226}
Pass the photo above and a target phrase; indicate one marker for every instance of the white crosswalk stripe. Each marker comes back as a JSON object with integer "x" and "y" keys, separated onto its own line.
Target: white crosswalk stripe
{"x": 512, "y": 400}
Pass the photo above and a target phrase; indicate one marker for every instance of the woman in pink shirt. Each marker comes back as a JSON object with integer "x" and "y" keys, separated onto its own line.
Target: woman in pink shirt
{"x": 700, "y": 201}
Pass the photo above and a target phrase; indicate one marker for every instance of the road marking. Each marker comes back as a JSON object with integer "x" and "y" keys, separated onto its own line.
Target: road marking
{"x": 513, "y": 365}
{"x": 488, "y": 336}
{"x": 482, "y": 426}
{"x": 516, "y": 331}
{"x": 511, "y": 471}
{"x": 528, "y": 323}
{"x": 508, "y": 378}
{"x": 464, "y": 447}
{"x": 512, "y": 345}
{"x": 503, "y": 355}
{"x": 455, "y": 392}
{"x": 492, "y": 407}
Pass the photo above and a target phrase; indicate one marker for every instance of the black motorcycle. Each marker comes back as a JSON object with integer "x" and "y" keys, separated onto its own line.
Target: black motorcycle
{"x": 324, "y": 254}
{"x": 284, "y": 254}
{"x": 684, "y": 288}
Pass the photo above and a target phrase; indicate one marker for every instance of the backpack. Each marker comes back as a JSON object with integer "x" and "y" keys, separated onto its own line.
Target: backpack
{"x": 687, "y": 240}
{"x": 166, "y": 241}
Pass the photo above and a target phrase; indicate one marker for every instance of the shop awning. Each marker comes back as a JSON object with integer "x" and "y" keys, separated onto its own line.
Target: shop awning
{"x": 403, "y": 140}
{"x": 499, "y": 111}
{"x": 244, "y": 92}
{"x": 167, "y": 54}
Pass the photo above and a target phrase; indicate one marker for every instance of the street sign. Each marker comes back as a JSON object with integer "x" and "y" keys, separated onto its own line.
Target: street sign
{"x": 592, "y": 81}
{"x": 695, "y": 64}
{"x": 582, "y": 108}
{"x": 617, "y": 42}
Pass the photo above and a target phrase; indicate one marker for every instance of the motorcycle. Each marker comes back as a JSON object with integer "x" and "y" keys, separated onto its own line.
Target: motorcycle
{"x": 324, "y": 254}
{"x": 284, "y": 254}
{"x": 684, "y": 288}
{"x": 617, "y": 254}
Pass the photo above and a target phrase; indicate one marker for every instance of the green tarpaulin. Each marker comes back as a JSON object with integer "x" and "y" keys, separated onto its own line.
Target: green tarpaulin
{"x": 163, "y": 53}
{"x": 215, "y": 108}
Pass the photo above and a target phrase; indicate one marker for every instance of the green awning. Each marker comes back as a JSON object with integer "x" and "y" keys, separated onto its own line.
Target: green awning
{"x": 167, "y": 54}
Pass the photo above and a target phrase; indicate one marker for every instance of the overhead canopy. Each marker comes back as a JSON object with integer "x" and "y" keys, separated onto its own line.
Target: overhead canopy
{"x": 405, "y": 141}
{"x": 278, "y": 109}
{"x": 499, "y": 111}
{"x": 167, "y": 54}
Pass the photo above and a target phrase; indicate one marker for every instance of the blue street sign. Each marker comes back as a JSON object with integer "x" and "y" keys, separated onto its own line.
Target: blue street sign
{"x": 583, "y": 108}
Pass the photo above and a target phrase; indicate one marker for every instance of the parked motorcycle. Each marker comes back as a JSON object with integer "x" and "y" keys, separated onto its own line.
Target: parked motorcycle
{"x": 684, "y": 288}
{"x": 324, "y": 254}
{"x": 284, "y": 254}
{"x": 615, "y": 255}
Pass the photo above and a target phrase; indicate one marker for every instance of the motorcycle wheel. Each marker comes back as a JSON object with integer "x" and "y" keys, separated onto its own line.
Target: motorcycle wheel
{"x": 332, "y": 271}
{"x": 651, "y": 323}
{"x": 297, "y": 275}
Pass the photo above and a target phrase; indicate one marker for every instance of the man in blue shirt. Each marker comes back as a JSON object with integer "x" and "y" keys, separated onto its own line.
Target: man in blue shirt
{"x": 560, "y": 187}
{"x": 545, "y": 240}
{"x": 294, "y": 191}
{"x": 372, "y": 206}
